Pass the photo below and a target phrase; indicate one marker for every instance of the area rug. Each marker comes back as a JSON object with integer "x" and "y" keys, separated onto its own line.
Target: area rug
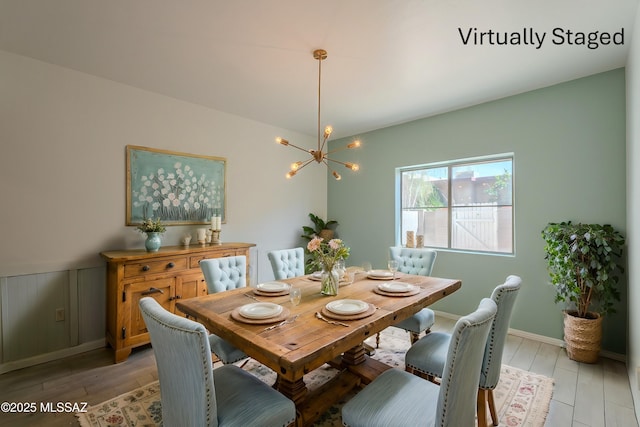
{"x": 522, "y": 398}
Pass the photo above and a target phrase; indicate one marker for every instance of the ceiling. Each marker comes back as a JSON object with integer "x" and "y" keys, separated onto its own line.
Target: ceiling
{"x": 389, "y": 61}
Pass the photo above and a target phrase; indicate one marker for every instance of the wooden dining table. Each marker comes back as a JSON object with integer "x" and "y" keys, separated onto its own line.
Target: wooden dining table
{"x": 297, "y": 348}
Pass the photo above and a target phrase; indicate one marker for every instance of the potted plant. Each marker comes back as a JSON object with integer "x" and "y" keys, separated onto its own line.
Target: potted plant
{"x": 153, "y": 229}
{"x": 321, "y": 228}
{"x": 584, "y": 268}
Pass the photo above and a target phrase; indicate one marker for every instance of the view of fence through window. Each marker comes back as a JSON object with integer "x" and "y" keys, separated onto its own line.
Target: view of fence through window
{"x": 460, "y": 205}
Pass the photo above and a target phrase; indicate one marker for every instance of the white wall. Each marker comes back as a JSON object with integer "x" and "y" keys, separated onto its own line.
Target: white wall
{"x": 62, "y": 168}
{"x": 633, "y": 210}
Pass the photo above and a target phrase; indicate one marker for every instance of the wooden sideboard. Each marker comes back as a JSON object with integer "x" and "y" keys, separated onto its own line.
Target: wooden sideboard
{"x": 168, "y": 275}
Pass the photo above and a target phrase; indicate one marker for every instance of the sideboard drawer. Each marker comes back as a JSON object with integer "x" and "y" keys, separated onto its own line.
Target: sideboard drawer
{"x": 151, "y": 267}
{"x": 195, "y": 260}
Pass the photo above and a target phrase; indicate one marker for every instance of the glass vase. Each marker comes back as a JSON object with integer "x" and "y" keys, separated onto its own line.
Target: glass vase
{"x": 153, "y": 241}
{"x": 330, "y": 282}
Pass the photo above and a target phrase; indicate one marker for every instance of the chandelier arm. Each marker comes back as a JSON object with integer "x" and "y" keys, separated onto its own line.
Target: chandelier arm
{"x": 335, "y": 161}
{"x": 319, "y": 80}
{"x": 304, "y": 164}
{"x": 299, "y": 148}
{"x": 338, "y": 149}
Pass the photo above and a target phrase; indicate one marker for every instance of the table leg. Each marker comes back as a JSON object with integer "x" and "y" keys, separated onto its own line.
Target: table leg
{"x": 354, "y": 356}
{"x": 294, "y": 390}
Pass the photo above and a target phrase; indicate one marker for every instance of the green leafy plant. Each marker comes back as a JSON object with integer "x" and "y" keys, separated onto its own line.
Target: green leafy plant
{"x": 583, "y": 264}
{"x": 151, "y": 226}
{"x": 319, "y": 225}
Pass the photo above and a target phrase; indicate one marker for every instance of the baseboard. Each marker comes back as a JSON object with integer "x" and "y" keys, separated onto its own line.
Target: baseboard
{"x": 543, "y": 339}
{"x": 54, "y": 355}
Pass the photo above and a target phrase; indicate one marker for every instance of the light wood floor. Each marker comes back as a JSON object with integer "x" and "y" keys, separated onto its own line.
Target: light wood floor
{"x": 584, "y": 395}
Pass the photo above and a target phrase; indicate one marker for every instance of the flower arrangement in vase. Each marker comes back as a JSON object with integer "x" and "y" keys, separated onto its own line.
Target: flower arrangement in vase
{"x": 325, "y": 255}
{"x": 153, "y": 229}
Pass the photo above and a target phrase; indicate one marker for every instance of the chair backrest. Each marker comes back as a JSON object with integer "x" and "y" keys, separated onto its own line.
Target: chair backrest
{"x": 505, "y": 297}
{"x": 413, "y": 260}
{"x": 287, "y": 263}
{"x": 459, "y": 389}
{"x": 183, "y": 357}
{"x": 222, "y": 274}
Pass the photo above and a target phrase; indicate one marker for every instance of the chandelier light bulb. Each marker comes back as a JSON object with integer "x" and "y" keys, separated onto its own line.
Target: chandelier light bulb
{"x": 290, "y": 174}
{"x": 354, "y": 144}
{"x": 327, "y": 131}
{"x": 282, "y": 141}
{"x": 353, "y": 166}
{"x": 337, "y": 176}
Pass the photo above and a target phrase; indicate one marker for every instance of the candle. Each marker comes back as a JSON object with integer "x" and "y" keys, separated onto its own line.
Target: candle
{"x": 213, "y": 222}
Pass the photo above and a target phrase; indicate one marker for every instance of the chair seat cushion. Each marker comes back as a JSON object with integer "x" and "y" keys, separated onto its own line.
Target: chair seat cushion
{"x": 419, "y": 322}
{"x": 429, "y": 354}
{"x": 240, "y": 396}
{"x": 225, "y": 351}
{"x": 394, "y": 398}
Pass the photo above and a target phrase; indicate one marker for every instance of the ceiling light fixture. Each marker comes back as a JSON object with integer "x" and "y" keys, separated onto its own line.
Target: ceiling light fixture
{"x": 319, "y": 155}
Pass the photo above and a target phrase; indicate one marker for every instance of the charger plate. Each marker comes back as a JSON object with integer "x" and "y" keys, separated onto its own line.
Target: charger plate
{"x": 284, "y": 314}
{"x": 329, "y": 315}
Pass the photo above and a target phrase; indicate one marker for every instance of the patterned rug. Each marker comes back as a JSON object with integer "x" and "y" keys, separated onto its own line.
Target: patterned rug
{"x": 522, "y": 398}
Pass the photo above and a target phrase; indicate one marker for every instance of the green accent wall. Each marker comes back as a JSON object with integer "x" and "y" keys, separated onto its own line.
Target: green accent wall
{"x": 569, "y": 147}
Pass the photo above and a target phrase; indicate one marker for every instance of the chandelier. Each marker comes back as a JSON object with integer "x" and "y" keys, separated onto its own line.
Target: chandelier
{"x": 319, "y": 155}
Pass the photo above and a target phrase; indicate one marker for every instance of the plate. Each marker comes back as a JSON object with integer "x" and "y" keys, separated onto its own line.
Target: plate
{"x": 347, "y": 306}
{"x": 316, "y": 276}
{"x": 272, "y": 287}
{"x": 398, "y": 287}
{"x": 380, "y": 274}
{"x": 260, "y": 310}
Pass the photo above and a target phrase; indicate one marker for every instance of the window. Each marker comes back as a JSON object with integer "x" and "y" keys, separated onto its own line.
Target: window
{"x": 464, "y": 205}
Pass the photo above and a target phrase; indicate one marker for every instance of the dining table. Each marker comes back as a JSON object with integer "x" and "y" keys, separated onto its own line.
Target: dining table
{"x": 319, "y": 330}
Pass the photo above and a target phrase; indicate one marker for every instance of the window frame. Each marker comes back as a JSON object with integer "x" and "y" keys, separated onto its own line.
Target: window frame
{"x": 450, "y": 164}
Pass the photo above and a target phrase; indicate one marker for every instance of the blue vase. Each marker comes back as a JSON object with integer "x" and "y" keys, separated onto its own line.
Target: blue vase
{"x": 153, "y": 241}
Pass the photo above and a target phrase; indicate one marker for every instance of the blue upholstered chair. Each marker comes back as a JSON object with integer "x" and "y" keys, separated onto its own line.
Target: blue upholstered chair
{"x": 192, "y": 392}
{"x": 287, "y": 263}
{"x": 427, "y": 357}
{"x": 222, "y": 274}
{"x": 417, "y": 261}
{"x": 397, "y": 397}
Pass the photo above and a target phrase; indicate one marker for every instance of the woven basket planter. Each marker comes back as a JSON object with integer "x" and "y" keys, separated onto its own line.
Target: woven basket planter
{"x": 583, "y": 337}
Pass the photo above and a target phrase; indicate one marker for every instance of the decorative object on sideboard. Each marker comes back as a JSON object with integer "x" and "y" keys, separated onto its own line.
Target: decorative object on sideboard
{"x": 186, "y": 239}
{"x": 201, "y": 234}
{"x": 420, "y": 241}
{"x": 319, "y": 155}
{"x": 153, "y": 229}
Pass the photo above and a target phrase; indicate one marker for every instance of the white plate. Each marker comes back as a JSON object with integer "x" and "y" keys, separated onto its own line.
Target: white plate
{"x": 380, "y": 274}
{"x": 260, "y": 310}
{"x": 272, "y": 287}
{"x": 395, "y": 287}
{"x": 316, "y": 276}
{"x": 347, "y": 306}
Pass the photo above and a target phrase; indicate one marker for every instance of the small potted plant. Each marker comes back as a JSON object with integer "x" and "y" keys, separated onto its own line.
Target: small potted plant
{"x": 583, "y": 261}
{"x": 153, "y": 229}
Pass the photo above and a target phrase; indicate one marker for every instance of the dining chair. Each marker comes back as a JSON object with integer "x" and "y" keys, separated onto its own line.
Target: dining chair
{"x": 397, "y": 397}
{"x": 192, "y": 393}
{"x": 222, "y": 274}
{"x": 418, "y": 261}
{"x": 427, "y": 357}
{"x": 287, "y": 263}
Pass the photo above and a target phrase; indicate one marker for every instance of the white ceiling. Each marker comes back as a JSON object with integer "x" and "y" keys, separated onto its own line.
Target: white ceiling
{"x": 389, "y": 61}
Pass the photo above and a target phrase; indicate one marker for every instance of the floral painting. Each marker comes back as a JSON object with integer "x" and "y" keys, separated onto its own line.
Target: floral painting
{"x": 177, "y": 188}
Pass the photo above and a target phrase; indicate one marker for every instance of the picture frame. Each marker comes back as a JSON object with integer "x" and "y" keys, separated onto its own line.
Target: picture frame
{"x": 178, "y": 188}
